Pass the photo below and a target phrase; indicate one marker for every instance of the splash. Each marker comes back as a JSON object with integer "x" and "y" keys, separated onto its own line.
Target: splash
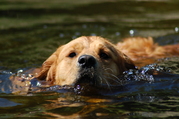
{"x": 23, "y": 82}
{"x": 146, "y": 73}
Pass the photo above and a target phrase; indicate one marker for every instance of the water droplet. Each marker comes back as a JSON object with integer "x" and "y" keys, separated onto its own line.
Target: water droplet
{"x": 93, "y": 34}
{"x": 118, "y": 33}
{"x": 77, "y": 33}
{"x": 61, "y": 35}
{"x": 176, "y": 29}
{"x": 73, "y": 37}
{"x": 78, "y": 87}
{"x": 84, "y": 26}
{"x": 20, "y": 71}
{"x": 38, "y": 84}
{"x": 131, "y": 32}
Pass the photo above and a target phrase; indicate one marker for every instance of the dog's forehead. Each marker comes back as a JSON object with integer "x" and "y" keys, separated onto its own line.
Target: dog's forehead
{"x": 88, "y": 44}
{"x": 88, "y": 41}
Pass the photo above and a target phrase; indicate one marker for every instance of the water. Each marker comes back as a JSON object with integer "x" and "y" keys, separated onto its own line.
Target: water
{"x": 31, "y": 30}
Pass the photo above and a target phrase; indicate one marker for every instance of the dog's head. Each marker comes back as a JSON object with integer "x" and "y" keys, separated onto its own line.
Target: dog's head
{"x": 87, "y": 59}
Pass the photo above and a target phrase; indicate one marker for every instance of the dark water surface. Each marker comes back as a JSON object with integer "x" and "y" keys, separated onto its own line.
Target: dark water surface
{"x": 30, "y": 30}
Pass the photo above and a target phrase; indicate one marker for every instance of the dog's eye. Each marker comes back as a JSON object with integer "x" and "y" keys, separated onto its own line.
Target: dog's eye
{"x": 104, "y": 55}
{"x": 71, "y": 55}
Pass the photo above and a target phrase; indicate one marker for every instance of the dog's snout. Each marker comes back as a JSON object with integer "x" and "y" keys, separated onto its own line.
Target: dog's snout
{"x": 87, "y": 61}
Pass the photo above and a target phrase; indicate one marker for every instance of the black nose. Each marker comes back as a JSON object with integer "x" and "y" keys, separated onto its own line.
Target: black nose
{"x": 87, "y": 61}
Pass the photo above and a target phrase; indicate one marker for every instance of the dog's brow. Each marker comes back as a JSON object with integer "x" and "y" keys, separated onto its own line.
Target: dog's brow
{"x": 111, "y": 48}
{"x": 87, "y": 42}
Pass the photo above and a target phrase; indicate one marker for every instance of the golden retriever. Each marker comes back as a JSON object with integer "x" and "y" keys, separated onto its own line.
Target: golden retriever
{"x": 94, "y": 60}
{"x": 87, "y": 59}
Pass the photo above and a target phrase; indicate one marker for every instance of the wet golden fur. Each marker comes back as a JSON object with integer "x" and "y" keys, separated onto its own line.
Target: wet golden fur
{"x": 140, "y": 48}
{"x": 62, "y": 67}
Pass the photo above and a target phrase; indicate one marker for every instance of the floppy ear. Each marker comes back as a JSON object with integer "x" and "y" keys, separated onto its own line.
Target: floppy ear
{"x": 48, "y": 67}
{"x": 128, "y": 63}
{"x": 124, "y": 62}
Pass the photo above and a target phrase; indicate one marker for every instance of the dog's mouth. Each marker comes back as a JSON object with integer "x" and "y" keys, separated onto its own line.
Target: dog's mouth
{"x": 87, "y": 82}
{"x": 88, "y": 70}
{"x": 87, "y": 76}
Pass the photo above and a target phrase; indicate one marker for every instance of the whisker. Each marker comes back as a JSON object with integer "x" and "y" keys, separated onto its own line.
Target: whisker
{"x": 109, "y": 69}
{"x": 111, "y": 73}
{"x": 106, "y": 82}
{"x": 116, "y": 79}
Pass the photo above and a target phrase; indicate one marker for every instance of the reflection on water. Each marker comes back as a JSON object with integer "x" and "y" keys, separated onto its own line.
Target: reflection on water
{"x": 31, "y": 30}
{"x": 149, "y": 89}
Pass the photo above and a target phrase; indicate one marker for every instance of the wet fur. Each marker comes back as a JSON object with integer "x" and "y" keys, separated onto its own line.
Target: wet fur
{"x": 141, "y": 48}
{"x": 61, "y": 69}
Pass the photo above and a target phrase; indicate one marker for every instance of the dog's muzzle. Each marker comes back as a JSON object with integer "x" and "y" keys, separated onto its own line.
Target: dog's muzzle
{"x": 87, "y": 65}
